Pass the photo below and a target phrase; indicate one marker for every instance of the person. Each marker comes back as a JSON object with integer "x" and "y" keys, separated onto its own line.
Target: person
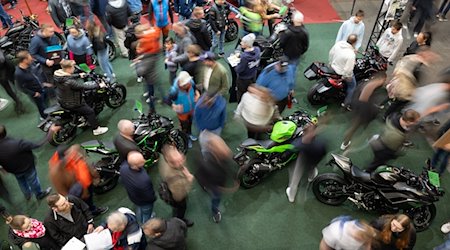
{"x": 268, "y": 11}
{"x": 68, "y": 217}
{"x": 279, "y": 78}
{"x": 295, "y": 40}
{"x": 32, "y": 81}
{"x": 215, "y": 76}
{"x": 439, "y": 161}
{"x": 354, "y": 25}
{"x": 170, "y": 48}
{"x": 130, "y": 43}
{"x": 199, "y": 28}
{"x": 166, "y": 234}
{"x": 117, "y": 14}
{"x": 125, "y": 230}
{"x": 5, "y": 18}
{"x": 44, "y": 38}
{"x": 182, "y": 97}
{"x": 247, "y": 68}
{"x": 16, "y": 157}
{"x": 218, "y": 21}
{"x": 251, "y": 20}
{"x": 346, "y": 233}
{"x": 138, "y": 185}
{"x": 24, "y": 229}
{"x": 7, "y": 72}
{"x": 391, "y": 41}
{"x": 174, "y": 172}
{"x": 124, "y": 141}
{"x": 60, "y": 10}
{"x": 79, "y": 46}
{"x": 396, "y": 232}
{"x": 69, "y": 93}
{"x": 386, "y": 145}
{"x": 158, "y": 13}
{"x": 194, "y": 66}
{"x": 98, "y": 8}
{"x": 257, "y": 110}
{"x": 184, "y": 38}
{"x": 136, "y": 9}
{"x": 311, "y": 151}
{"x": 210, "y": 113}
{"x": 184, "y": 8}
{"x": 422, "y": 40}
{"x": 443, "y": 10}
{"x": 101, "y": 50}
{"x": 423, "y": 11}
{"x": 342, "y": 59}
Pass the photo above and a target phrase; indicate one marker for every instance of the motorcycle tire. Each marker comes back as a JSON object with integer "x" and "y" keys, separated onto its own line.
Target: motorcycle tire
{"x": 108, "y": 180}
{"x": 112, "y": 53}
{"x": 61, "y": 38}
{"x": 314, "y": 97}
{"x": 179, "y": 139}
{"x": 422, "y": 216}
{"x": 117, "y": 98}
{"x": 247, "y": 178}
{"x": 232, "y": 32}
{"x": 327, "y": 181}
{"x": 63, "y": 136}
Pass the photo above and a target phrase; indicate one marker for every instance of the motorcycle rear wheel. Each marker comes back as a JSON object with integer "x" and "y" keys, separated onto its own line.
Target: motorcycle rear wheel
{"x": 63, "y": 136}
{"x": 117, "y": 98}
{"x": 232, "y": 32}
{"x": 314, "y": 97}
{"x": 249, "y": 179}
{"x": 108, "y": 180}
{"x": 326, "y": 188}
{"x": 179, "y": 139}
{"x": 422, "y": 216}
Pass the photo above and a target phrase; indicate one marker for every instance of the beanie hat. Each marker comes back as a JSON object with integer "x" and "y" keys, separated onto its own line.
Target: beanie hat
{"x": 249, "y": 39}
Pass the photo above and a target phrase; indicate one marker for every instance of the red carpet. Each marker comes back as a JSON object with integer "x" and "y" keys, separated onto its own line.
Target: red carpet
{"x": 317, "y": 11}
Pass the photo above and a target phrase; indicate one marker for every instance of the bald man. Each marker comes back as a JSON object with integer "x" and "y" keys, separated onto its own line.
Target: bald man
{"x": 138, "y": 185}
{"x": 124, "y": 141}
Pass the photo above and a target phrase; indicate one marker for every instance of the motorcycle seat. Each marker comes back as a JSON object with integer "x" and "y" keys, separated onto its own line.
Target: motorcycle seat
{"x": 360, "y": 174}
{"x": 263, "y": 143}
{"x": 53, "y": 108}
{"x": 15, "y": 29}
{"x": 328, "y": 70}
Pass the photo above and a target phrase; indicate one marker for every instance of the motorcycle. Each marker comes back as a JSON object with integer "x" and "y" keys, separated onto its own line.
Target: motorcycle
{"x": 233, "y": 28}
{"x": 257, "y": 158}
{"x": 389, "y": 189}
{"x": 330, "y": 86}
{"x": 113, "y": 96}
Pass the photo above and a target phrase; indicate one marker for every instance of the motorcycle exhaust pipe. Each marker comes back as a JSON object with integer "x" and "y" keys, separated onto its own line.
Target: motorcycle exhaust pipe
{"x": 263, "y": 167}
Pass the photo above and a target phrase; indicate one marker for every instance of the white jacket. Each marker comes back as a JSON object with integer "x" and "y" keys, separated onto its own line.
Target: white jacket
{"x": 350, "y": 27}
{"x": 389, "y": 44}
{"x": 254, "y": 111}
{"x": 342, "y": 58}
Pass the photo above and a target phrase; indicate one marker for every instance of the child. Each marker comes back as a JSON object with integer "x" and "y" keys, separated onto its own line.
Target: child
{"x": 171, "y": 52}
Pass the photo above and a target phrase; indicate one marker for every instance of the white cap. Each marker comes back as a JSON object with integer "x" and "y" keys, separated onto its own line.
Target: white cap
{"x": 248, "y": 40}
{"x": 184, "y": 78}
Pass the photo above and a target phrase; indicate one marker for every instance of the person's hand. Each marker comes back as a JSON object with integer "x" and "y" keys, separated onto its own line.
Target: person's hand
{"x": 49, "y": 62}
{"x": 218, "y": 32}
{"x": 102, "y": 85}
{"x": 99, "y": 229}
{"x": 226, "y": 27}
{"x": 90, "y": 228}
{"x": 54, "y": 128}
{"x": 37, "y": 94}
{"x": 177, "y": 108}
{"x": 48, "y": 85}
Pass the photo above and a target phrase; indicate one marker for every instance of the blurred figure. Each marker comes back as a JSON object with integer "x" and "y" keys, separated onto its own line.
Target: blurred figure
{"x": 124, "y": 141}
{"x": 179, "y": 180}
{"x": 251, "y": 19}
{"x": 439, "y": 161}
{"x": 347, "y": 234}
{"x": 158, "y": 13}
{"x": 210, "y": 113}
{"x": 257, "y": 110}
{"x": 422, "y": 40}
{"x": 184, "y": 38}
{"x": 391, "y": 41}
{"x": 431, "y": 99}
{"x": 396, "y": 232}
{"x": 247, "y": 68}
{"x": 7, "y": 73}
{"x": 23, "y": 229}
{"x": 268, "y": 11}
{"x": 354, "y": 25}
{"x": 166, "y": 234}
{"x": 311, "y": 151}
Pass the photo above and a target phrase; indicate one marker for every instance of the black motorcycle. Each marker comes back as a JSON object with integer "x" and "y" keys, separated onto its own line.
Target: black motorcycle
{"x": 233, "y": 28}
{"x": 113, "y": 96}
{"x": 330, "y": 85}
{"x": 389, "y": 189}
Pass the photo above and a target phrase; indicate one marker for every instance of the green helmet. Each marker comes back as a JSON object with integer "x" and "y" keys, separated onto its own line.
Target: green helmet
{"x": 282, "y": 131}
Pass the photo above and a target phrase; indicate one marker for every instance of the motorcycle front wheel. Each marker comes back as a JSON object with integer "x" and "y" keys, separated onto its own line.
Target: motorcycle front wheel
{"x": 422, "y": 216}
{"x": 179, "y": 140}
{"x": 314, "y": 97}
{"x": 108, "y": 176}
{"x": 328, "y": 189}
{"x": 232, "y": 32}
{"x": 63, "y": 136}
{"x": 248, "y": 177}
{"x": 117, "y": 97}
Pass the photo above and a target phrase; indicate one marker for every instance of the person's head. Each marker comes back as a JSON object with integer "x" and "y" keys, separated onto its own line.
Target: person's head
{"x": 179, "y": 29}
{"x": 24, "y": 58}
{"x": 217, "y": 146}
{"x": 247, "y": 41}
{"x": 364, "y": 233}
{"x": 58, "y": 203}
{"x": 73, "y": 31}
{"x": 352, "y": 39}
{"x": 396, "y": 27}
{"x": 68, "y": 66}
{"x": 135, "y": 160}
{"x": 219, "y": 2}
{"x": 168, "y": 43}
{"x": 94, "y": 30}
{"x": 282, "y": 65}
{"x": 359, "y": 16}
{"x": 261, "y": 92}
{"x": 47, "y": 30}
{"x": 141, "y": 29}
{"x": 397, "y": 223}
{"x": 173, "y": 157}
{"x": 2, "y": 131}
{"x": 193, "y": 50}
{"x": 426, "y": 55}
{"x": 297, "y": 18}
{"x": 19, "y": 222}
{"x": 209, "y": 97}
{"x": 198, "y": 13}
{"x": 154, "y": 227}
{"x": 125, "y": 127}
{"x": 184, "y": 80}
{"x": 117, "y": 221}
{"x": 424, "y": 38}
{"x": 409, "y": 118}
{"x": 209, "y": 59}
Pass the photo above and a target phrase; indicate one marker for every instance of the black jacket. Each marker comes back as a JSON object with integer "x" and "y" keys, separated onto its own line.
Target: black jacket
{"x": 118, "y": 16}
{"x": 6, "y": 69}
{"x": 174, "y": 238}
{"x": 124, "y": 146}
{"x": 62, "y": 230}
{"x": 45, "y": 243}
{"x": 16, "y": 156}
{"x": 30, "y": 80}
{"x": 98, "y": 44}
{"x": 294, "y": 41}
{"x": 213, "y": 172}
{"x": 69, "y": 91}
{"x": 218, "y": 17}
{"x": 200, "y": 31}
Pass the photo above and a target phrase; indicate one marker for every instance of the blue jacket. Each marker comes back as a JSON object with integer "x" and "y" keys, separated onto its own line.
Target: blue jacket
{"x": 159, "y": 12}
{"x": 185, "y": 7}
{"x": 279, "y": 84}
{"x": 38, "y": 46}
{"x": 135, "y": 6}
{"x": 212, "y": 117}
{"x": 79, "y": 45}
{"x": 187, "y": 99}
{"x": 248, "y": 66}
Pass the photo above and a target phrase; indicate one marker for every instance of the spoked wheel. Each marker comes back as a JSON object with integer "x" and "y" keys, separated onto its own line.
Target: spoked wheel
{"x": 422, "y": 216}
{"x": 63, "y": 136}
{"x": 108, "y": 175}
{"x": 112, "y": 54}
{"x": 328, "y": 189}
{"x": 232, "y": 32}
{"x": 249, "y": 174}
{"x": 179, "y": 140}
{"x": 117, "y": 96}
{"x": 314, "y": 97}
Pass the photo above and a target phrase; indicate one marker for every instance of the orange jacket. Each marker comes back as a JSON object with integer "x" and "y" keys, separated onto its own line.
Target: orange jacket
{"x": 75, "y": 165}
{"x": 149, "y": 43}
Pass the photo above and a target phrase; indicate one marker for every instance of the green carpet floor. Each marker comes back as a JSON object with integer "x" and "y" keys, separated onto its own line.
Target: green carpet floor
{"x": 259, "y": 218}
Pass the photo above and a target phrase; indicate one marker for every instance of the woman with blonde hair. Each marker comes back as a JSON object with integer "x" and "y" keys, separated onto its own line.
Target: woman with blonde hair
{"x": 23, "y": 229}
{"x": 101, "y": 49}
{"x": 396, "y": 232}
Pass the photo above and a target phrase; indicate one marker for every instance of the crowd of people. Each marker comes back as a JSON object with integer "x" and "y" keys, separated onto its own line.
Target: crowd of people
{"x": 199, "y": 95}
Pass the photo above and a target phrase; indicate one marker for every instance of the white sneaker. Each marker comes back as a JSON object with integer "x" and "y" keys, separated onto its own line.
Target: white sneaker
{"x": 100, "y": 130}
{"x": 140, "y": 79}
{"x": 3, "y": 103}
{"x": 145, "y": 94}
{"x": 313, "y": 174}
{"x": 445, "y": 228}
{"x": 290, "y": 197}
{"x": 345, "y": 146}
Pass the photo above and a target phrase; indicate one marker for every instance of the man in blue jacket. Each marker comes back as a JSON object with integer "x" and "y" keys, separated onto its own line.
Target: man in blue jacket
{"x": 210, "y": 113}
{"x": 184, "y": 8}
{"x": 279, "y": 78}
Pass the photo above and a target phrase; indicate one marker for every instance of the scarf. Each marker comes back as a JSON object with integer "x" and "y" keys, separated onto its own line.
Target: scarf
{"x": 115, "y": 240}
{"x": 37, "y": 230}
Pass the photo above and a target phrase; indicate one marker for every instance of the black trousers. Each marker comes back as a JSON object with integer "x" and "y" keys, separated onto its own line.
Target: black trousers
{"x": 381, "y": 156}
{"x": 87, "y": 112}
{"x": 179, "y": 209}
{"x": 281, "y": 104}
{"x": 241, "y": 87}
{"x": 396, "y": 106}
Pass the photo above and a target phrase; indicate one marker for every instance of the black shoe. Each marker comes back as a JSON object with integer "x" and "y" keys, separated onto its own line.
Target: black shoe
{"x": 44, "y": 194}
{"x": 188, "y": 222}
{"x": 217, "y": 217}
{"x": 99, "y": 211}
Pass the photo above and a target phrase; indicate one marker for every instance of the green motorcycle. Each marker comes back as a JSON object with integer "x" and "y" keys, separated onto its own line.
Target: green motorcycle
{"x": 257, "y": 158}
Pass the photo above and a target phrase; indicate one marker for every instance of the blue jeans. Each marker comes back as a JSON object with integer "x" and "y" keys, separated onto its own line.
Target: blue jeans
{"x": 440, "y": 160}
{"x": 29, "y": 182}
{"x": 351, "y": 85}
{"x": 444, "y": 246}
{"x": 105, "y": 64}
{"x": 144, "y": 213}
{"x": 218, "y": 40}
{"x": 4, "y": 17}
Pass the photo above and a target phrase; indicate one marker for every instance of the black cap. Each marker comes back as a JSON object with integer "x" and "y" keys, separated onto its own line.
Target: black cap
{"x": 284, "y": 61}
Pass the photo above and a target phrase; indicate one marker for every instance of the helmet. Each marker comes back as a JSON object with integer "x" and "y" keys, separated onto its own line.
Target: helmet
{"x": 282, "y": 131}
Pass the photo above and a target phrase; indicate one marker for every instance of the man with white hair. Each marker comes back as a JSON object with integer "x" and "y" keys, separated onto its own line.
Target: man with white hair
{"x": 295, "y": 40}
{"x": 247, "y": 68}
{"x": 124, "y": 141}
{"x": 125, "y": 230}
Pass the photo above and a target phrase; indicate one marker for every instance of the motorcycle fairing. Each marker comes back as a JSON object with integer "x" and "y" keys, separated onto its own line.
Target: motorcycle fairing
{"x": 360, "y": 174}
{"x": 323, "y": 89}
{"x": 103, "y": 147}
{"x": 404, "y": 187}
{"x": 398, "y": 198}
{"x": 274, "y": 149}
{"x": 343, "y": 162}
